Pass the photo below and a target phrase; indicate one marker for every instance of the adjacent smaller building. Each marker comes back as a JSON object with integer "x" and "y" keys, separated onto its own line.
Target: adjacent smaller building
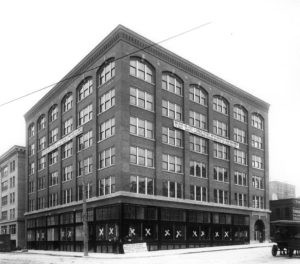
{"x": 12, "y": 195}
{"x": 285, "y": 209}
{"x": 281, "y": 190}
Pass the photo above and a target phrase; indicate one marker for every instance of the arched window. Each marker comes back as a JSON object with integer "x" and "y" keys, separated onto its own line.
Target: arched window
{"x": 220, "y": 104}
{"x": 172, "y": 83}
{"x": 240, "y": 113}
{"x": 41, "y": 122}
{"x": 67, "y": 102}
{"x": 257, "y": 121}
{"x": 53, "y": 113}
{"x": 198, "y": 94}
{"x": 107, "y": 71}
{"x": 31, "y": 130}
{"x": 85, "y": 88}
{"x": 141, "y": 69}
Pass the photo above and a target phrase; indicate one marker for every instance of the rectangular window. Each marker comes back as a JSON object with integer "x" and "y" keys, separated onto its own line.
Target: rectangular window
{"x": 198, "y": 144}
{"x": 12, "y": 182}
{"x": 12, "y": 229}
{"x": 198, "y": 169}
{"x": 257, "y": 202}
{"x": 67, "y": 196}
{"x": 172, "y": 163}
{"x": 107, "y": 158}
{"x": 88, "y": 191}
{"x": 257, "y": 162}
{"x": 198, "y": 193}
{"x": 12, "y": 213}
{"x": 31, "y": 169}
{"x": 67, "y": 173}
{"x": 86, "y": 165}
{"x": 53, "y": 178}
{"x": 53, "y": 157}
{"x": 107, "y": 129}
{"x": 142, "y": 185}
{"x": 41, "y": 203}
{"x": 53, "y": 135}
{"x": 239, "y": 135}
{"x": 221, "y": 196}
{"x": 106, "y": 186}
{"x": 53, "y": 199}
{"x": 172, "y": 137}
{"x": 257, "y": 122}
{"x": 107, "y": 100}
{"x": 4, "y": 186}
{"x": 240, "y": 178}
{"x": 12, "y": 166}
{"x": 31, "y": 205}
{"x": 86, "y": 89}
{"x": 141, "y": 99}
{"x": 240, "y": 199}
{"x": 221, "y": 174}
{"x": 258, "y": 182}
{"x": 4, "y": 200}
{"x": 42, "y": 163}
{"x": 198, "y": 120}
{"x": 85, "y": 115}
{"x": 41, "y": 182}
{"x": 171, "y": 110}
{"x": 172, "y": 189}
{"x": 41, "y": 143}
{"x": 220, "y": 105}
{"x": 68, "y": 126}
{"x": 30, "y": 186}
{"x": 3, "y": 215}
{"x": 67, "y": 150}
{"x": 240, "y": 157}
{"x": 85, "y": 140}
{"x": 256, "y": 142}
{"x": 221, "y": 151}
{"x": 141, "y": 156}
{"x": 31, "y": 150}
{"x": 4, "y": 171}
{"x": 141, "y": 127}
{"x": 220, "y": 128}
{"x": 12, "y": 197}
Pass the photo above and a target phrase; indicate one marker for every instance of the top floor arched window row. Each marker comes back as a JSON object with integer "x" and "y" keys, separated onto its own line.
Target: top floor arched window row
{"x": 53, "y": 113}
{"x": 85, "y": 88}
{"x": 107, "y": 71}
{"x": 67, "y": 102}
{"x": 142, "y": 69}
{"x": 220, "y": 104}
{"x": 240, "y": 113}
{"x": 257, "y": 121}
{"x": 198, "y": 95}
{"x": 41, "y": 123}
{"x": 172, "y": 83}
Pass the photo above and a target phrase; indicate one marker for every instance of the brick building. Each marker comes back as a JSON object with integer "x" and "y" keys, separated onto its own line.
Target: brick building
{"x": 12, "y": 193}
{"x": 281, "y": 190}
{"x": 285, "y": 209}
{"x": 172, "y": 155}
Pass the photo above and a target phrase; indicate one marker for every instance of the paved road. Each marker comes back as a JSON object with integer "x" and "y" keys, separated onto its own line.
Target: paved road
{"x": 241, "y": 256}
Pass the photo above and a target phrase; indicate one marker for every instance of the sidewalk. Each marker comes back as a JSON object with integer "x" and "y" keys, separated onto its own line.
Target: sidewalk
{"x": 148, "y": 253}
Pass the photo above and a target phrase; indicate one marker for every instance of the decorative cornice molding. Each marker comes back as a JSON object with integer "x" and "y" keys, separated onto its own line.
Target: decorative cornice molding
{"x": 143, "y": 44}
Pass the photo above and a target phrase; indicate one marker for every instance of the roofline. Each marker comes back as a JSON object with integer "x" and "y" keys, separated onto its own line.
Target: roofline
{"x": 146, "y": 45}
{"x": 11, "y": 151}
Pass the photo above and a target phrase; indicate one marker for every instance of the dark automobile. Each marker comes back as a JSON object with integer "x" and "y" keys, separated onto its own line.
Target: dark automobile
{"x": 286, "y": 235}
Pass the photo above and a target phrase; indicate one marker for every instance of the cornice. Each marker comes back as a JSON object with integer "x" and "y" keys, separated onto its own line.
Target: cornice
{"x": 13, "y": 150}
{"x": 145, "y": 45}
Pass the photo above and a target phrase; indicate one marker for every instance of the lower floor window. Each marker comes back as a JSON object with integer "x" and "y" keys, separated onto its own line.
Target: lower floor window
{"x": 172, "y": 189}
{"x": 143, "y": 185}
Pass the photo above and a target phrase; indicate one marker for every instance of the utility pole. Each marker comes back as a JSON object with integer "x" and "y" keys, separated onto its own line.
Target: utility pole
{"x": 84, "y": 215}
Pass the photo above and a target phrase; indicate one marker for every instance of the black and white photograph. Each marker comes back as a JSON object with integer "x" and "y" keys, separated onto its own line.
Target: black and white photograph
{"x": 149, "y": 131}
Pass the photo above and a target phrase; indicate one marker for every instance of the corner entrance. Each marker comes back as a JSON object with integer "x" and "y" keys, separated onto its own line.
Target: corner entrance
{"x": 259, "y": 231}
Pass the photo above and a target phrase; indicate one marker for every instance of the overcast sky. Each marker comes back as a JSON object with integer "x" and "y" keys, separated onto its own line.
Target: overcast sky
{"x": 254, "y": 45}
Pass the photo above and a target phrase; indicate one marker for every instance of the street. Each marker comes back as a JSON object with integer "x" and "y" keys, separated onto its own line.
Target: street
{"x": 245, "y": 256}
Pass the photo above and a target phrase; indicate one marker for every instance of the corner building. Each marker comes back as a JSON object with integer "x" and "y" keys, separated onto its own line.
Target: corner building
{"x": 171, "y": 154}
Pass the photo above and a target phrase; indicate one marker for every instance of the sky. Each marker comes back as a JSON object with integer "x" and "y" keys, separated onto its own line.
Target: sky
{"x": 255, "y": 45}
